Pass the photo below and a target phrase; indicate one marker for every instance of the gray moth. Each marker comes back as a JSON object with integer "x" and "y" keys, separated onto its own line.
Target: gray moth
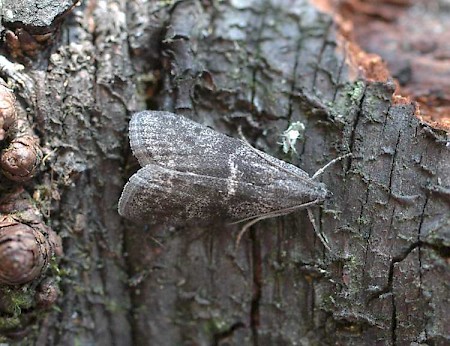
{"x": 191, "y": 173}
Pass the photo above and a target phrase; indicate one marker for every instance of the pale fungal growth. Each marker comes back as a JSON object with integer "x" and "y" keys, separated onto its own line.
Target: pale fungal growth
{"x": 24, "y": 253}
{"x": 290, "y": 137}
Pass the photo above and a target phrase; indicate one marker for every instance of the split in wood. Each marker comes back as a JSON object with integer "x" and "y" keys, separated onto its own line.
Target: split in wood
{"x": 21, "y": 44}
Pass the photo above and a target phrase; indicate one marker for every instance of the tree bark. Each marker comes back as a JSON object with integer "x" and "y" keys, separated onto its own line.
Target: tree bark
{"x": 259, "y": 66}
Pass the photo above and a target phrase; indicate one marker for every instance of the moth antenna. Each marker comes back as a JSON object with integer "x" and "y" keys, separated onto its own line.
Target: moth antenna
{"x": 319, "y": 234}
{"x": 257, "y": 152}
{"x": 332, "y": 162}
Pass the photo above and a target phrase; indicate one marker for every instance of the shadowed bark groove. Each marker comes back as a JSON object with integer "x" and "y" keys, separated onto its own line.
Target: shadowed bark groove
{"x": 260, "y": 66}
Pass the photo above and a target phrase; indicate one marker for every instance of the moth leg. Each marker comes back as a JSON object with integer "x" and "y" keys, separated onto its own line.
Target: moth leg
{"x": 276, "y": 213}
{"x": 254, "y": 219}
{"x": 319, "y": 234}
{"x": 245, "y": 229}
{"x": 252, "y": 222}
{"x": 332, "y": 162}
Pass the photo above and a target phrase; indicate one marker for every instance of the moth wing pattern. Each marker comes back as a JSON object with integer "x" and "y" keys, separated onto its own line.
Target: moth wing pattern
{"x": 163, "y": 137}
{"x": 193, "y": 172}
{"x": 176, "y": 142}
{"x": 158, "y": 194}
{"x": 155, "y": 193}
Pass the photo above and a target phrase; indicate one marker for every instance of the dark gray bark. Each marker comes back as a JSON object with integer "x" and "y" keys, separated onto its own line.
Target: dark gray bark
{"x": 261, "y": 65}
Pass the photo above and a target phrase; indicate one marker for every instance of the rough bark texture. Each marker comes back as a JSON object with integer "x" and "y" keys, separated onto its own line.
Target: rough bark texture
{"x": 261, "y": 66}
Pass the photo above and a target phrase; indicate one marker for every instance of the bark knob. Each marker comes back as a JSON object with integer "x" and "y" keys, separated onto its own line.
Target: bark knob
{"x": 46, "y": 294}
{"x": 24, "y": 254}
{"x": 19, "y": 162}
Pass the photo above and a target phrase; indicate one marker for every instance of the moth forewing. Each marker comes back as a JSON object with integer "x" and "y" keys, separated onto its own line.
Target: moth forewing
{"x": 159, "y": 194}
{"x": 171, "y": 140}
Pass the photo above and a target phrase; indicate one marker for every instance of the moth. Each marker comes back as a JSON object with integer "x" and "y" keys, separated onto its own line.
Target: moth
{"x": 191, "y": 173}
